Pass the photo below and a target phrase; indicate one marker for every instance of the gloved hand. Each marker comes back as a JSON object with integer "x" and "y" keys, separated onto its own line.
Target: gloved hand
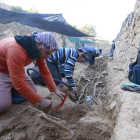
{"x": 128, "y": 88}
{"x": 59, "y": 93}
{"x": 45, "y": 103}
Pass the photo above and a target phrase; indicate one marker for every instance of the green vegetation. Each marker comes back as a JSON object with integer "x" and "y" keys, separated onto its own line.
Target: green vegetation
{"x": 17, "y": 9}
{"x": 32, "y": 10}
{"x": 29, "y": 10}
{"x": 88, "y": 29}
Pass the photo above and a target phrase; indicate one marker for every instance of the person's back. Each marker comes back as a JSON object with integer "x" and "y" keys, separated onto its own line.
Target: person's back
{"x": 88, "y": 48}
{"x": 8, "y": 54}
{"x": 64, "y": 56}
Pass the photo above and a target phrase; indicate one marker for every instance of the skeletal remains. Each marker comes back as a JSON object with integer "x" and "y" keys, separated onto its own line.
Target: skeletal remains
{"x": 97, "y": 79}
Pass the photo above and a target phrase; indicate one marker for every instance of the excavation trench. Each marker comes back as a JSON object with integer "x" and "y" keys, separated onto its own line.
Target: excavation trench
{"x": 89, "y": 120}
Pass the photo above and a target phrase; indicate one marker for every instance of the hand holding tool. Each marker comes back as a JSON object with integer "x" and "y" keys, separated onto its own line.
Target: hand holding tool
{"x": 61, "y": 104}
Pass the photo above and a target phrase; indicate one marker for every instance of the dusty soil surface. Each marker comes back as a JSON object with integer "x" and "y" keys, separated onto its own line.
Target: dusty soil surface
{"x": 86, "y": 121}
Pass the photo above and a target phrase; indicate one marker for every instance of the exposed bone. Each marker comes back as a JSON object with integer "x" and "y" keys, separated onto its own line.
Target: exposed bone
{"x": 104, "y": 72}
{"x": 82, "y": 101}
{"x": 78, "y": 81}
{"x": 98, "y": 99}
{"x": 81, "y": 95}
{"x": 54, "y": 122}
{"x": 108, "y": 77}
{"x": 118, "y": 68}
{"x": 100, "y": 82}
{"x": 101, "y": 91}
{"x": 94, "y": 91}
{"x": 94, "y": 98}
{"x": 58, "y": 119}
{"x": 85, "y": 78}
{"x": 83, "y": 90}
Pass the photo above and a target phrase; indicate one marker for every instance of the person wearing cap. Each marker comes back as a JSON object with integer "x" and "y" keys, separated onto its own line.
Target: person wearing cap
{"x": 92, "y": 54}
{"x": 66, "y": 57}
{"x": 16, "y": 53}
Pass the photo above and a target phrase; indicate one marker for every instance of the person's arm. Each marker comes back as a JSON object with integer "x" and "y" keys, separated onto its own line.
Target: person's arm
{"x": 47, "y": 77}
{"x": 15, "y": 61}
{"x": 69, "y": 69}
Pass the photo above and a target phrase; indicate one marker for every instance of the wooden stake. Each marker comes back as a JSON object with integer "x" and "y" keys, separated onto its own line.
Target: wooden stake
{"x": 54, "y": 122}
{"x": 58, "y": 119}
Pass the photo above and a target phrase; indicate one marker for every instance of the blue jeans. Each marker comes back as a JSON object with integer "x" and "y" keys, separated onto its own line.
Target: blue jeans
{"x": 55, "y": 72}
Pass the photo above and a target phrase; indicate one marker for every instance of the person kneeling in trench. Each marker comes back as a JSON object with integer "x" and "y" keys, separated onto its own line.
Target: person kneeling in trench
{"x": 16, "y": 53}
{"x": 61, "y": 64}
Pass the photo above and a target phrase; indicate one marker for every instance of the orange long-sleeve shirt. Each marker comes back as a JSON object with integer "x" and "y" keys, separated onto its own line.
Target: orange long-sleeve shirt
{"x": 13, "y": 59}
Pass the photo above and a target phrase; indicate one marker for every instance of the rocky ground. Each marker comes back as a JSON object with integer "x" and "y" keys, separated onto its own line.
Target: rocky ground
{"x": 85, "y": 121}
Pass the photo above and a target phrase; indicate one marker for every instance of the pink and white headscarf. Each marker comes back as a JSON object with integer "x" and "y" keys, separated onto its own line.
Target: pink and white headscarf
{"x": 48, "y": 40}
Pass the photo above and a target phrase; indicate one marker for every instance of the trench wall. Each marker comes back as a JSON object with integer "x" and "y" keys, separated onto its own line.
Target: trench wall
{"x": 123, "y": 106}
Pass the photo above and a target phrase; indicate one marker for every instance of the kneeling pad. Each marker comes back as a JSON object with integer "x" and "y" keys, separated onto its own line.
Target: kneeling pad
{"x": 18, "y": 100}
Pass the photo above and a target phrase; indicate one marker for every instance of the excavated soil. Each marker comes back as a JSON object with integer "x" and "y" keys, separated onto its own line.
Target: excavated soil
{"x": 86, "y": 121}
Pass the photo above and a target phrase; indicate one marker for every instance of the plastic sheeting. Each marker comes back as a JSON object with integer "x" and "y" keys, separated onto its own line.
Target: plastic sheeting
{"x": 49, "y": 22}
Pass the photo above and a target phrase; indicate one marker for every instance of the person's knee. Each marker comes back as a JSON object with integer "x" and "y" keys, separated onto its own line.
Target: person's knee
{"x": 5, "y": 103}
{"x": 5, "y": 106}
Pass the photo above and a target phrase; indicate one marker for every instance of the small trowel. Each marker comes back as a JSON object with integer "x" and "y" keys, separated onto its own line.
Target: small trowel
{"x": 61, "y": 104}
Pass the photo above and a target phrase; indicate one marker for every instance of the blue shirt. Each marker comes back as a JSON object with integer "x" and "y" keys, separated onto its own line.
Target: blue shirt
{"x": 88, "y": 48}
{"x": 68, "y": 57}
{"x": 91, "y": 51}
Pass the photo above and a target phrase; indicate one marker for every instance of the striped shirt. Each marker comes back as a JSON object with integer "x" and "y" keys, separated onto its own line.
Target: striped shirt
{"x": 68, "y": 57}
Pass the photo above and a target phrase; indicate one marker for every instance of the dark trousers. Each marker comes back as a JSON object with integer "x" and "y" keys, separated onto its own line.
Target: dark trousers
{"x": 55, "y": 72}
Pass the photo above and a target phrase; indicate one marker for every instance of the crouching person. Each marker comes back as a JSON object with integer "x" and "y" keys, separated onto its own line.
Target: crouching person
{"x": 16, "y": 53}
{"x": 66, "y": 57}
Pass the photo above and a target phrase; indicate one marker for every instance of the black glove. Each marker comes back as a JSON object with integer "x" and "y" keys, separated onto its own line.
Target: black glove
{"x": 128, "y": 89}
